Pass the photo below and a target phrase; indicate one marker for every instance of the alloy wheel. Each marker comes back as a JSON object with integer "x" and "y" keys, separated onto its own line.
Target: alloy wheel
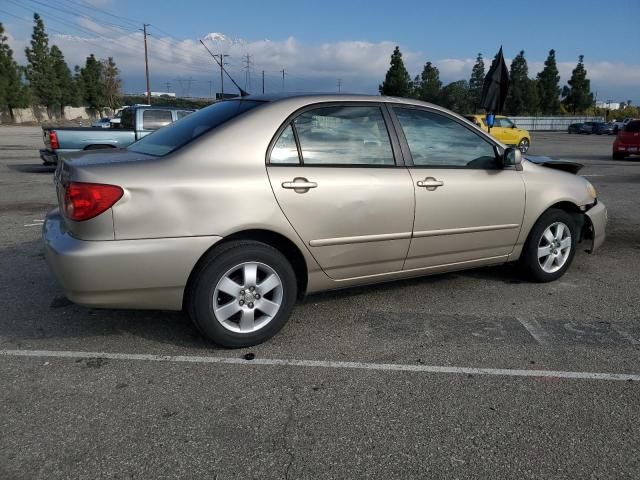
{"x": 554, "y": 247}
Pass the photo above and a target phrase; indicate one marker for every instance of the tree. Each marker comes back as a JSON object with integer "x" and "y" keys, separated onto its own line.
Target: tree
{"x": 112, "y": 83}
{"x": 579, "y": 97}
{"x": 13, "y": 93}
{"x": 62, "y": 84}
{"x": 427, "y": 86}
{"x": 532, "y": 98}
{"x": 519, "y": 86}
{"x": 39, "y": 71}
{"x": 476, "y": 82}
{"x": 92, "y": 81}
{"x": 455, "y": 96}
{"x": 397, "y": 82}
{"x": 548, "y": 89}
{"x": 78, "y": 87}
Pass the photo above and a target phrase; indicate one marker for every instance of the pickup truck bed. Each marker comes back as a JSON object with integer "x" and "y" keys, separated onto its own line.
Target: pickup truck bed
{"x": 61, "y": 140}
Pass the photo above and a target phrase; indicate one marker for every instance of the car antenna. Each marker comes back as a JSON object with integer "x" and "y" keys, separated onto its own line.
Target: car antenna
{"x": 219, "y": 62}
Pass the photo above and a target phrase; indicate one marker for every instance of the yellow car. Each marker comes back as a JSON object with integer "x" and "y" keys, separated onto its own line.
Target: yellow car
{"x": 505, "y": 130}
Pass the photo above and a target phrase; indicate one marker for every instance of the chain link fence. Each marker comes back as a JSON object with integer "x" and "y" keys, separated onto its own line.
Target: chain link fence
{"x": 551, "y": 123}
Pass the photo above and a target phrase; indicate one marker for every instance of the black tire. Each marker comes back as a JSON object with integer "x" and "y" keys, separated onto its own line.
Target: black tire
{"x": 618, "y": 156}
{"x": 199, "y": 298}
{"x": 529, "y": 259}
{"x": 524, "y": 144}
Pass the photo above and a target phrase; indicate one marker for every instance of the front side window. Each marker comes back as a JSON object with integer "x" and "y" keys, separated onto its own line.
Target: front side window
{"x": 438, "y": 141}
{"x": 128, "y": 121}
{"x": 155, "y": 119}
{"x": 344, "y": 135}
{"x": 505, "y": 123}
{"x": 171, "y": 138}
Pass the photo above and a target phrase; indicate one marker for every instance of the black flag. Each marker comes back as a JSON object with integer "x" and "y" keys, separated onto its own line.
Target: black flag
{"x": 496, "y": 85}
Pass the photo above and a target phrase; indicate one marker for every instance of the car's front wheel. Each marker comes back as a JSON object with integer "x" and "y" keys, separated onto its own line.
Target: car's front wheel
{"x": 551, "y": 245}
{"x": 242, "y": 294}
{"x": 523, "y": 145}
{"x": 618, "y": 156}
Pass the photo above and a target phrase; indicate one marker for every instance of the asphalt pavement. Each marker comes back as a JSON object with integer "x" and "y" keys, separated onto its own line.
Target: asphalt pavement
{"x": 474, "y": 374}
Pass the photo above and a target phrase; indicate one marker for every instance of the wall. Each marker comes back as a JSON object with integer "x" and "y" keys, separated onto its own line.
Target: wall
{"x": 38, "y": 114}
{"x": 551, "y": 123}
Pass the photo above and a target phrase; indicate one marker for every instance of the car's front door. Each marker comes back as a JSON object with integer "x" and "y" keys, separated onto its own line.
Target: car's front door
{"x": 468, "y": 208}
{"x": 508, "y": 132}
{"x": 334, "y": 173}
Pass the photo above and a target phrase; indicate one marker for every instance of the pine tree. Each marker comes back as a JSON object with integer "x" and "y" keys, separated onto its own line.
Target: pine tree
{"x": 579, "y": 97}
{"x": 519, "y": 86}
{"x": 476, "y": 82}
{"x": 13, "y": 94}
{"x": 532, "y": 99}
{"x": 112, "y": 83}
{"x": 397, "y": 82}
{"x": 92, "y": 80}
{"x": 428, "y": 85}
{"x": 548, "y": 89}
{"x": 40, "y": 72}
{"x": 78, "y": 87}
{"x": 62, "y": 87}
{"x": 455, "y": 96}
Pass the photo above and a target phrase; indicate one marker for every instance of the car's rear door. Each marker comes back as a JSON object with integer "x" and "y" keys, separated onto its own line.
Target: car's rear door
{"x": 468, "y": 208}
{"x": 338, "y": 176}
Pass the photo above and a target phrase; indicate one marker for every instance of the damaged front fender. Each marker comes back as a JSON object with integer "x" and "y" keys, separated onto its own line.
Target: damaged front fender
{"x": 596, "y": 222}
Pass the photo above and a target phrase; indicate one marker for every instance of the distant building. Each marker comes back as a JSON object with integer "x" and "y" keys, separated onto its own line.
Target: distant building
{"x": 608, "y": 105}
{"x": 161, "y": 94}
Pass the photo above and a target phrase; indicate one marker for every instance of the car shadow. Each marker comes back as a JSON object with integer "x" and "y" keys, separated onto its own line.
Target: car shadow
{"x": 32, "y": 168}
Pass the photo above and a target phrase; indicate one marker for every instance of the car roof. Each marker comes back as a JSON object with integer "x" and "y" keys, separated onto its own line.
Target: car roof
{"x": 332, "y": 97}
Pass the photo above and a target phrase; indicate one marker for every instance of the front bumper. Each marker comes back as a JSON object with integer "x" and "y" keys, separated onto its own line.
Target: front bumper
{"x": 148, "y": 273}
{"x": 596, "y": 224}
{"x": 48, "y": 157}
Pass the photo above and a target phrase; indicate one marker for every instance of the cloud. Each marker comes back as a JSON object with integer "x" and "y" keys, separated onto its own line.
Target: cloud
{"x": 360, "y": 64}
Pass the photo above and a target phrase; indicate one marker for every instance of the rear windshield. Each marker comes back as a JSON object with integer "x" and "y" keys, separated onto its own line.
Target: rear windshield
{"x": 174, "y": 136}
{"x": 632, "y": 127}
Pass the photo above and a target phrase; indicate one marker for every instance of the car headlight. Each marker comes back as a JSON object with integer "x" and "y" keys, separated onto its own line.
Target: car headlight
{"x": 591, "y": 190}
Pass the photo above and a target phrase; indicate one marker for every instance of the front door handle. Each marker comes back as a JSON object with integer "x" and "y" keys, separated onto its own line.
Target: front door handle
{"x": 299, "y": 184}
{"x": 430, "y": 183}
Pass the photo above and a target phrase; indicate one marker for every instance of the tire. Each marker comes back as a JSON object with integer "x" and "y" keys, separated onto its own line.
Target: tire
{"x": 532, "y": 266}
{"x": 618, "y": 156}
{"x": 523, "y": 145}
{"x": 248, "y": 325}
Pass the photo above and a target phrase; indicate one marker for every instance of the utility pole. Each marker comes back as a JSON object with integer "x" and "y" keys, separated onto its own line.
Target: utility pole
{"x": 263, "y": 82}
{"x": 221, "y": 56}
{"x": 283, "y": 79}
{"x": 247, "y": 72}
{"x": 210, "y": 88}
{"x": 146, "y": 61}
{"x": 339, "y": 84}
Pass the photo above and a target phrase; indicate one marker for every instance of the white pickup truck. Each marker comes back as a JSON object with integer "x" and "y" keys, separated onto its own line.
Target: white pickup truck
{"x": 620, "y": 124}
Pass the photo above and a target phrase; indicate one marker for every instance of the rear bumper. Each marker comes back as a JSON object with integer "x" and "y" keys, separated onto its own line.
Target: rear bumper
{"x": 47, "y": 156}
{"x": 597, "y": 222}
{"x": 149, "y": 273}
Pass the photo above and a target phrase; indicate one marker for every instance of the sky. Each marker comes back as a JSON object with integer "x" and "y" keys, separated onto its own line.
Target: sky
{"x": 321, "y": 44}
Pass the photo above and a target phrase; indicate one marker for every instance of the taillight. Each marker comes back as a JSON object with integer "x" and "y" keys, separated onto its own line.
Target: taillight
{"x": 83, "y": 201}
{"x": 53, "y": 140}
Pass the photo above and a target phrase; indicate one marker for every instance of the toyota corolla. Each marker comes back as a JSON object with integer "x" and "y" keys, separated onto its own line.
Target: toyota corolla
{"x": 235, "y": 211}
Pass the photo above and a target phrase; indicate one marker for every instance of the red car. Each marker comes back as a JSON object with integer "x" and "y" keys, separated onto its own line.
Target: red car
{"x": 628, "y": 141}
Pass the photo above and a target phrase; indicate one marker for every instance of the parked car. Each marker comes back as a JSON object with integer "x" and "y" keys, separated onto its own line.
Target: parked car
{"x": 627, "y": 141}
{"x": 620, "y": 124}
{"x": 602, "y": 128}
{"x": 505, "y": 130}
{"x": 575, "y": 128}
{"x": 239, "y": 209}
{"x": 136, "y": 123}
{"x": 104, "y": 122}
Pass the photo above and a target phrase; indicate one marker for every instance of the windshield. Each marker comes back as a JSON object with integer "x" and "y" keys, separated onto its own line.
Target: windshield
{"x": 174, "y": 136}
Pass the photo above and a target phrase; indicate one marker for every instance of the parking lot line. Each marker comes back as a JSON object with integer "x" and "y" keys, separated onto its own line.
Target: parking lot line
{"x": 389, "y": 367}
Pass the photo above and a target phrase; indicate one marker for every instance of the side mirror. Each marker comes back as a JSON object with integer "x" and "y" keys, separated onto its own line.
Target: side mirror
{"x": 513, "y": 125}
{"x": 511, "y": 157}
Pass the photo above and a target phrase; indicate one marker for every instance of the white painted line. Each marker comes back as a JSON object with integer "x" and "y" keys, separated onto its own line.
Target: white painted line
{"x": 597, "y": 175}
{"x": 33, "y": 224}
{"x": 535, "y": 330}
{"x": 390, "y": 367}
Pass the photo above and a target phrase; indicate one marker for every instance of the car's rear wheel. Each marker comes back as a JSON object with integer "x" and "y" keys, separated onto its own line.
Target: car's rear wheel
{"x": 618, "y": 156}
{"x": 242, "y": 294}
{"x": 550, "y": 248}
{"x": 523, "y": 145}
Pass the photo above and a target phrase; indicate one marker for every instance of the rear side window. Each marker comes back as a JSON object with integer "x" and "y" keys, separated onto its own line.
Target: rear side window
{"x": 183, "y": 113}
{"x": 632, "y": 127}
{"x": 155, "y": 119}
{"x": 171, "y": 138}
{"x": 285, "y": 151}
{"x": 344, "y": 135}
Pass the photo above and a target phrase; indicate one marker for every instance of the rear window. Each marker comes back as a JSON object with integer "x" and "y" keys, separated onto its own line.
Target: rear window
{"x": 128, "y": 120}
{"x": 155, "y": 119}
{"x": 632, "y": 127}
{"x": 183, "y": 131}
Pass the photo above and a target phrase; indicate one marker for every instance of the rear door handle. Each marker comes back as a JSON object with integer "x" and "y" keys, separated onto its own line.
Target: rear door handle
{"x": 299, "y": 184}
{"x": 430, "y": 183}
